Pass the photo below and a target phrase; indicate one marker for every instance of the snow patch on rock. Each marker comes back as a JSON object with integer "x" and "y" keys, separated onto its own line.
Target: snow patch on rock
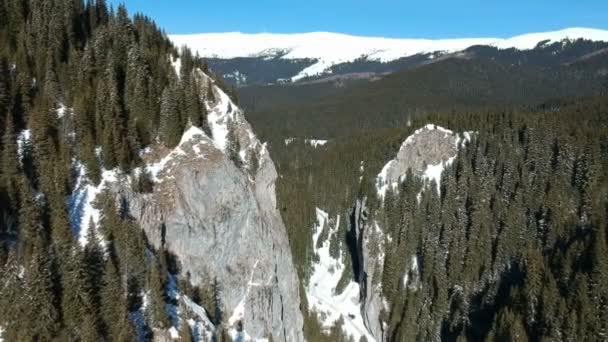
{"x": 219, "y": 116}
{"x": 427, "y": 152}
{"x": 192, "y": 134}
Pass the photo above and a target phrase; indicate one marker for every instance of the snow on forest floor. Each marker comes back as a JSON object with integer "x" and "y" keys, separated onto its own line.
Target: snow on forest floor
{"x": 81, "y": 203}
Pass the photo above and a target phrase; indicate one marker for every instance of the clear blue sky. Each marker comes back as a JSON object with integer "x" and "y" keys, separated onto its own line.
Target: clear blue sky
{"x": 387, "y": 18}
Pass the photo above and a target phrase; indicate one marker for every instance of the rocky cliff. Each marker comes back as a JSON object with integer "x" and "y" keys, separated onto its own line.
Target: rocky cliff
{"x": 219, "y": 218}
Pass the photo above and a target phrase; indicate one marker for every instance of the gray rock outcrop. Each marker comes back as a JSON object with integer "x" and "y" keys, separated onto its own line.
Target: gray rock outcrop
{"x": 370, "y": 254}
{"x": 221, "y": 222}
{"x": 430, "y": 145}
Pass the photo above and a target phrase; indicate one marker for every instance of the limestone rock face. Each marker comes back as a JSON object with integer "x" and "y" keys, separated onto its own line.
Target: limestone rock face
{"x": 221, "y": 222}
{"x": 426, "y": 153}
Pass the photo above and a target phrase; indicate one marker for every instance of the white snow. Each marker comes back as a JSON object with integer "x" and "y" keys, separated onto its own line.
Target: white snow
{"x": 413, "y": 270}
{"x": 432, "y": 172}
{"x": 173, "y": 333}
{"x": 315, "y": 142}
{"x": 176, "y": 64}
{"x": 62, "y": 110}
{"x": 218, "y": 117}
{"x": 329, "y": 49}
{"x": 192, "y": 133}
{"x": 311, "y": 142}
{"x": 23, "y": 140}
{"x": 320, "y": 291}
{"x": 80, "y": 202}
{"x": 138, "y": 318}
{"x": 382, "y": 184}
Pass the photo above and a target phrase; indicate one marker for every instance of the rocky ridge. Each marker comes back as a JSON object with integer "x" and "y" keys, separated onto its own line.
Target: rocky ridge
{"x": 220, "y": 220}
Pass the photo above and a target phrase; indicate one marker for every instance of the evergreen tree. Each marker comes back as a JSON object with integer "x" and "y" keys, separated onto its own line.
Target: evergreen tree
{"x": 10, "y": 173}
{"x": 157, "y": 314}
{"x": 170, "y": 130}
{"x": 185, "y": 333}
{"x": 233, "y": 145}
{"x": 113, "y": 302}
{"x": 42, "y": 308}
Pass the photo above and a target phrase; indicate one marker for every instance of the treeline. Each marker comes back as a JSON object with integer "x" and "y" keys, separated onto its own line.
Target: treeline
{"x": 83, "y": 82}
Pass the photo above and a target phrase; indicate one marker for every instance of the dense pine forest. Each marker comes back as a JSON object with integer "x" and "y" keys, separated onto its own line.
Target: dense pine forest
{"x": 83, "y": 84}
{"x": 512, "y": 247}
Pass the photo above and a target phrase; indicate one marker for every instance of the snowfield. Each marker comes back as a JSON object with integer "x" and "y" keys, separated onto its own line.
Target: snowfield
{"x": 320, "y": 291}
{"x": 328, "y": 49}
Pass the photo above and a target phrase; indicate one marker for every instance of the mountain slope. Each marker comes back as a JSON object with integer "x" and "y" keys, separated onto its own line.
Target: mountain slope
{"x": 319, "y": 53}
{"x": 136, "y": 203}
{"x": 327, "y": 111}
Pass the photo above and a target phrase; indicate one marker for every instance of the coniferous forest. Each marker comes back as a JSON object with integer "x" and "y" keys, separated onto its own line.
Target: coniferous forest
{"x": 82, "y": 82}
{"x": 512, "y": 247}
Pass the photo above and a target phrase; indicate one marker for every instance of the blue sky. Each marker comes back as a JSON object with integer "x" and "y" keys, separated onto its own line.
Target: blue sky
{"x": 387, "y": 18}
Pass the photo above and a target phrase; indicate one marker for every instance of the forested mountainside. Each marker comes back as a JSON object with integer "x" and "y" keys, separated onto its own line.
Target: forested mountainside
{"x": 500, "y": 250}
{"x": 510, "y": 245}
{"x": 130, "y": 187}
{"x": 338, "y": 108}
{"x": 463, "y": 199}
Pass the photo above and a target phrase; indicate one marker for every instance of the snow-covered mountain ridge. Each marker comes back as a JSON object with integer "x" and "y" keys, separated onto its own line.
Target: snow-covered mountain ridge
{"x": 329, "y": 49}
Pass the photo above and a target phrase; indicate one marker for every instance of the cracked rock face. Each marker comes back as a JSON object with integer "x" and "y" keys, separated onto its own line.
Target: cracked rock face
{"x": 222, "y": 224}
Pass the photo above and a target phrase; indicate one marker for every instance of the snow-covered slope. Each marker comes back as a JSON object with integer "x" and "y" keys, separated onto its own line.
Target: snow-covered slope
{"x": 321, "y": 290}
{"x": 329, "y": 49}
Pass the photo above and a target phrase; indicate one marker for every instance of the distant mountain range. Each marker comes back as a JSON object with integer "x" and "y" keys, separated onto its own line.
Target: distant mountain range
{"x": 249, "y": 59}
